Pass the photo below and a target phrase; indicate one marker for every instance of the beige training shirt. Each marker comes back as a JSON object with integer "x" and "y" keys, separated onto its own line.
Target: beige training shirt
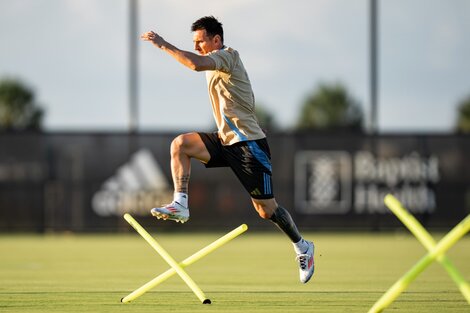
{"x": 232, "y": 98}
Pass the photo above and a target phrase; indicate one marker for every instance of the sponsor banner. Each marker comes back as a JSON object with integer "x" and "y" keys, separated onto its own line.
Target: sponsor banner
{"x": 340, "y": 182}
{"x": 323, "y": 182}
{"x": 86, "y": 182}
{"x": 134, "y": 188}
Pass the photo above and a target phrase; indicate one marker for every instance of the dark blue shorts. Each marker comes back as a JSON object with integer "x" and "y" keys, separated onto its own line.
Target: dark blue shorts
{"x": 249, "y": 160}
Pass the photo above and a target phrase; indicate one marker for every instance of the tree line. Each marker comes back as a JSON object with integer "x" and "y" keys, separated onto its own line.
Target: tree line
{"x": 327, "y": 107}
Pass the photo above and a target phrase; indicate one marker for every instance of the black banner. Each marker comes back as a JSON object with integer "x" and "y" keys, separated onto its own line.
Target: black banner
{"x": 86, "y": 182}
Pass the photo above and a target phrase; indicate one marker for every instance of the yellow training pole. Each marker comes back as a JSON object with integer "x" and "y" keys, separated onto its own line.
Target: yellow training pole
{"x": 445, "y": 244}
{"x": 178, "y": 269}
{"x": 188, "y": 261}
{"x": 427, "y": 241}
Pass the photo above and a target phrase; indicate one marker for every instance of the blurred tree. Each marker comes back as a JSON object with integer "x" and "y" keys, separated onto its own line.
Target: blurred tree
{"x": 265, "y": 118}
{"x": 18, "y": 109}
{"x": 463, "y": 116}
{"x": 330, "y": 107}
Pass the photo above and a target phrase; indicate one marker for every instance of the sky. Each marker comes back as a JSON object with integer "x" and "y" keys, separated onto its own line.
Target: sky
{"x": 74, "y": 55}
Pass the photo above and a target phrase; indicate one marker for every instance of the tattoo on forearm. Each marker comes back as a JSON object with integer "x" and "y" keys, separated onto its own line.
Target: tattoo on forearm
{"x": 182, "y": 183}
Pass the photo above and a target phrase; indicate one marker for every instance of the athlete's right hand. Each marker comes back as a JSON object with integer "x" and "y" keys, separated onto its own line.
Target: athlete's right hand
{"x": 154, "y": 38}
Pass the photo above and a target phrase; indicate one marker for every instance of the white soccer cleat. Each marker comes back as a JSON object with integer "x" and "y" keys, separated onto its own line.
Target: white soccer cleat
{"x": 306, "y": 263}
{"x": 173, "y": 211}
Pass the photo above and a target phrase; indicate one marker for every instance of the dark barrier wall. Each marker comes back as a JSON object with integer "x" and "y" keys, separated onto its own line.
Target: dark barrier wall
{"x": 86, "y": 182}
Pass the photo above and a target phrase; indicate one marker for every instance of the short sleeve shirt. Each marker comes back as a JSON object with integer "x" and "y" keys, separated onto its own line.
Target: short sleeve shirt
{"x": 232, "y": 98}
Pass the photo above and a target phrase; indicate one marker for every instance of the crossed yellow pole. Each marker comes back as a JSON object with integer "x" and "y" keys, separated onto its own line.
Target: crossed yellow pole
{"x": 177, "y": 268}
{"x": 436, "y": 253}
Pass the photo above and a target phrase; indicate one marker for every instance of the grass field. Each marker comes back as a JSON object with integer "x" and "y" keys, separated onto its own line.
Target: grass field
{"x": 254, "y": 273}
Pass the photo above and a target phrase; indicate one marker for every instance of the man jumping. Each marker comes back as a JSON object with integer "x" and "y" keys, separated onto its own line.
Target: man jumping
{"x": 239, "y": 142}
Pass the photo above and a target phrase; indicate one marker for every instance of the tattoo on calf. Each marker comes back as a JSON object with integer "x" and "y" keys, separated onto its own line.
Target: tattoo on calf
{"x": 283, "y": 220}
{"x": 182, "y": 183}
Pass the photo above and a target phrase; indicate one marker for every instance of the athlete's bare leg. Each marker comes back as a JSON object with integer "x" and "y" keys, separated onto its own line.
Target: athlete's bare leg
{"x": 183, "y": 148}
{"x": 265, "y": 207}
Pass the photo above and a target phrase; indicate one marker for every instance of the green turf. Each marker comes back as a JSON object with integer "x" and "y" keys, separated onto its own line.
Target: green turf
{"x": 253, "y": 273}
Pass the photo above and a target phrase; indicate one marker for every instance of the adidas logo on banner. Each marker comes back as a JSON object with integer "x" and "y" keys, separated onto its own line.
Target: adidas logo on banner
{"x": 137, "y": 186}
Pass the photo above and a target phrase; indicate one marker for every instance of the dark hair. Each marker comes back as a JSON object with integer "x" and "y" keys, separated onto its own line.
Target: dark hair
{"x": 211, "y": 25}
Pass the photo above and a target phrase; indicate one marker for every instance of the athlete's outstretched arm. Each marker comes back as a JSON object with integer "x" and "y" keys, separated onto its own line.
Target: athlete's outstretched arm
{"x": 188, "y": 59}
